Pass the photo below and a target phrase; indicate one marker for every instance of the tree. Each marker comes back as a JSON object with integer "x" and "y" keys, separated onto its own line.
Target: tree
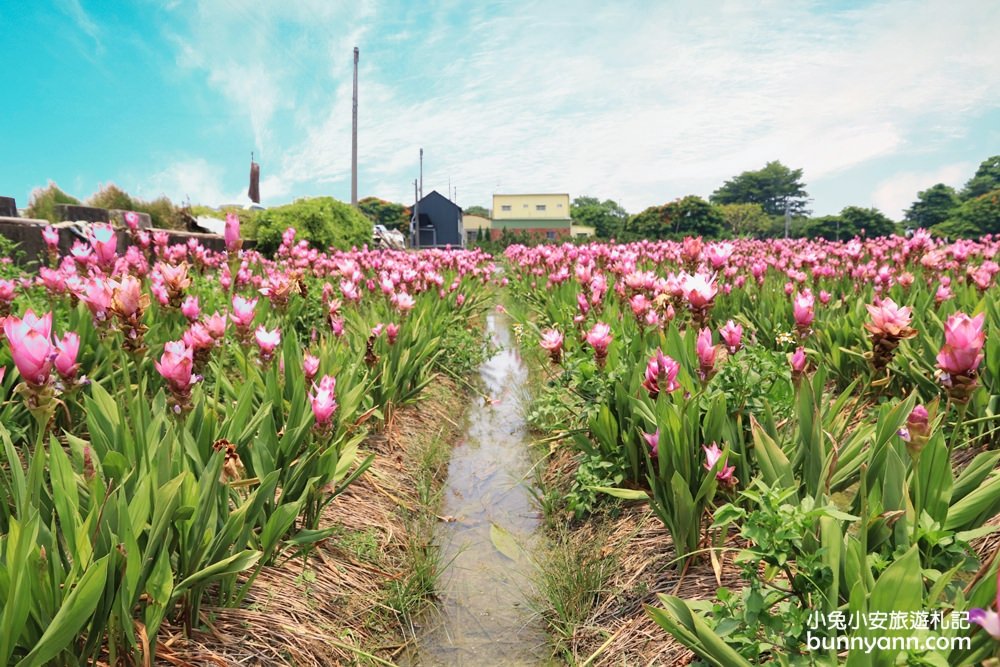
{"x": 481, "y": 211}
{"x": 973, "y": 218}
{"x": 774, "y": 187}
{"x": 42, "y": 204}
{"x": 986, "y": 179}
{"x": 745, "y": 219}
{"x": 933, "y": 206}
{"x": 850, "y": 222}
{"x": 688, "y": 216}
{"x": 381, "y": 212}
{"x": 605, "y": 217}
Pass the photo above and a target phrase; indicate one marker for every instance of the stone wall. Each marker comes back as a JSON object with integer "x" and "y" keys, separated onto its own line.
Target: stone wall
{"x": 8, "y": 207}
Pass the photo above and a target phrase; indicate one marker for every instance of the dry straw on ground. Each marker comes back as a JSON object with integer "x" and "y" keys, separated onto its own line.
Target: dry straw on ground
{"x": 330, "y": 609}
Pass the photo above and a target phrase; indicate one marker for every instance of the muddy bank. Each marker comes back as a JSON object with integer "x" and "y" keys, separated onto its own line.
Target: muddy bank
{"x": 349, "y": 602}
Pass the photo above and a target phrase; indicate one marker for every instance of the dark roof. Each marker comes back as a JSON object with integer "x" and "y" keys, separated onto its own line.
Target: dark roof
{"x": 434, "y": 195}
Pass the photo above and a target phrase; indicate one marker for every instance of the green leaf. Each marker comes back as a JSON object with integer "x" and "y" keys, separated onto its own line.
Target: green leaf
{"x": 504, "y": 542}
{"x": 74, "y": 612}
{"x": 624, "y": 494}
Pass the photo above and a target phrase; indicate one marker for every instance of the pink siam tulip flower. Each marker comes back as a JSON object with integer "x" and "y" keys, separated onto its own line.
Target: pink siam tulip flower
{"x": 640, "y": 305}
{"x": 337, "y": 326}
{"x": 798, "y": 363}
{"x": 963, "y": 344}
{"x": 81, "y": 253}
{"x": 105, "y": 244}
{"x": 699, "y": 291}
{"x": 132, "y": 221}
{"x": 653, "y": 440}
{"x": 30, "y": 341}
{"x": 917, "y": 431}
{"x": 599, "y": 338}
{"x": 3, "y": 371}
{"x": 802, "y": 310}
{"x": 51, "y": 237}
{"x": 943, "y": 294}
{"x": 732, "y": 334}
{"x": 661, "y": 374}
{"x": 310, "y": 366}
{"x": 267, "y": 341}
{"x": 67, "y": 350}
{"x": 232, "y": 234}
{"x": 706, "y": 352}
{"x": 127, "y": 297}
{"x": 718, "y": 254}
{"x": 988, "y": 619}
{"x": 691, "y": 250}
{"x": 552, "y": 342}
{"x": 391, "y": 333}
{"x": 190, "y": 308}
{"x": 243, "y": 314}
{"x": 323, "y": 400}
{"x": 215, "y": 324}
{"x": 725, "y": 474}
{"x": 888, "y": 319}
{"x": 403, "y": 302}
{"x": 824, "y": 297}
{"x": 97, "y": 296}
{"x": 176, "y": 365}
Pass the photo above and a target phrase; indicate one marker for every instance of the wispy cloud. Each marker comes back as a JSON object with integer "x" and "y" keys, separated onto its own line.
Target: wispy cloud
{"x": 630, "y": 101}
{"x": 83, "y": 21}
{"x": 895, "y": 194}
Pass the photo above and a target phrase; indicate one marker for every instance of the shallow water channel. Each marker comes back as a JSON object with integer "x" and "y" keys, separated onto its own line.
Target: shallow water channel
{"x": 482, "y": 617}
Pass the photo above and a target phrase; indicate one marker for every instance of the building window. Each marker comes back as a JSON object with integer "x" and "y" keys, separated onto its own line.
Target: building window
{"x": 525, "y": 206}
{"x": 539, "y": 207}
{"x": 550, "y": 235}
{"x": 559, "y": 205}
{"x": 505, "y": 207}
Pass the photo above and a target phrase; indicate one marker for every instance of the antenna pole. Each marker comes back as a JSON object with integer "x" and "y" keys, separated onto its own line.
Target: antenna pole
{"x": 354, "y": 136}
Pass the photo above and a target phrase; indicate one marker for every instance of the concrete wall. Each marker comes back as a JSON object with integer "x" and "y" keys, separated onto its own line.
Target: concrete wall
{"x": 27, "y": 233}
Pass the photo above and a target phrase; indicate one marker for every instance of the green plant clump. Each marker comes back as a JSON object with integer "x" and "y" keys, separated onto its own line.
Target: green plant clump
{"x": 322, "y": 221}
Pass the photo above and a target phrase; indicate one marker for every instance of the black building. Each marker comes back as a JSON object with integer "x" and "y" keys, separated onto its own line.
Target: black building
{"x": 436, "y": 222}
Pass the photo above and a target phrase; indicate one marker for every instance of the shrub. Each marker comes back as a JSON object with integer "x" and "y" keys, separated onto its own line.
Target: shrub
{"x": 43, "y": 202}
{"x": 111, "y": 196}
{"x": 323, "y": 221}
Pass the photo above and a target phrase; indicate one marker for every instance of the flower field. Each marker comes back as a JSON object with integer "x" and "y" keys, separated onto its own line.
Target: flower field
{"x": 818, "y": 420}
{"x": 174, "y": 419}
{"x": 819, "y": 417}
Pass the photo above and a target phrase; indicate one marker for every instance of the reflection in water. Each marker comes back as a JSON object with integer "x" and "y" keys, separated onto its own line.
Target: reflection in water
{"x": 482, "y": 618}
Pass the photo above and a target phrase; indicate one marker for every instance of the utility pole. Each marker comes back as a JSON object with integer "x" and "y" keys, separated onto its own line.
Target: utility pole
{"x": 421, "y": 173}
{"x": 354, "y": 137}
{"x": 788, "y": 219}
{"x": 415, "y": 231}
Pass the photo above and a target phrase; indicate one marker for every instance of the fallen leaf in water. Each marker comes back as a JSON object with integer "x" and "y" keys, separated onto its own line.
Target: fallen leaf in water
{"x": 504, "y": 542}
{"x": 447, "y": 518}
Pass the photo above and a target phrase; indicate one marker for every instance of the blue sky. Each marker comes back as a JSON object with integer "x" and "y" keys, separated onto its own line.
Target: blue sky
{"x": 641, "y": 102}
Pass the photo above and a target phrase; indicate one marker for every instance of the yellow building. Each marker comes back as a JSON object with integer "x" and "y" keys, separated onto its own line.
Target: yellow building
{"x": 472, "y": 224}
{"x": 535, "y": 214}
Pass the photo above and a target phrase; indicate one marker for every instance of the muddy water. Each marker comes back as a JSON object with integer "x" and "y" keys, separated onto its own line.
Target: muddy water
{"x": 482, "y": 617}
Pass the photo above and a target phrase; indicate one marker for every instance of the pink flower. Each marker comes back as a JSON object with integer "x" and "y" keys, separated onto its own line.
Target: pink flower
{"x": 404, "y": 302}
{"x": 30, "y": 341}
{"x": 802, "y": 310}
{"x": 267, "y": 341}
{"x": 105, "y": 244}
{"x": 97, "y": 297}
{"x": 51, "y": 236}
{"x": 706, "y": 354}
{"x": 127, "y": 295}
{"x": 653, "y": 440}
{"x": 132, "y": 220}
{"x": 798, "y": 361}
{"x": 718, "y": 254}
{"x": 888, "y": 319}
{"x": 216, "y": 325}
{"x": 67, "y": 350}
{"x": 175, "y": 365}
{"x": 552, "y": 342}
{"x": 732, "y": 334}
{"x": 243, "y": 312}
{"x": 988, "y": 619}
{"x": 725, "y": 473}
{"x": 824, "y": 297}
{"x": 661, "y": 374}
{"x": 391, "y": 333}
{"x": 232, "y": 233}
{"x": 963, "y": 344}
{"x": 7, "y": 290}
{"x": 699, "y": 290}
{"x": 310, "y": 366}
{"x": 190, "y": 308}
{"x": 599, "y": 338}
{"x": 197, "y": 337}
{"x": 323, "y": 400}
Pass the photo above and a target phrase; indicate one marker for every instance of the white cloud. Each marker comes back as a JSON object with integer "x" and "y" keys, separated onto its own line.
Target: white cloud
{"x": 83, "y": 21}
{"x": 194, "y": 180}
{"x": 643, "y": 103}
{"x": 894, "y": 195}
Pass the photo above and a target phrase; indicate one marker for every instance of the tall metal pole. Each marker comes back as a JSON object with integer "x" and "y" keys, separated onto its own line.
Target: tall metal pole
{"x": 354, "y": 136}
{"x": 421, "y": 173}
{"x": 415, "y": 231}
